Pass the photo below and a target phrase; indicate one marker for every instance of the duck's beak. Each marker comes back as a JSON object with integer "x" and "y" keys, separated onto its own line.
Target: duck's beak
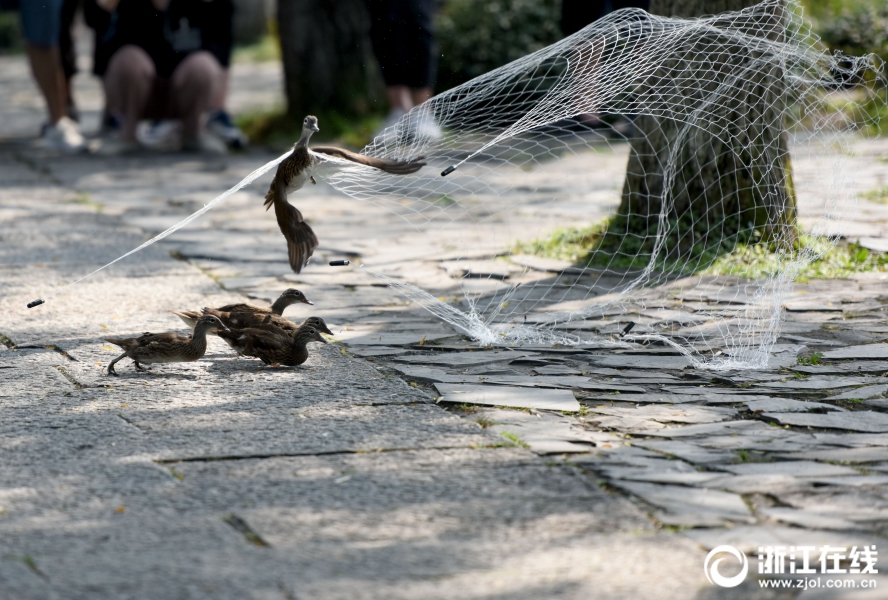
{"x": 327, "y": 331}
{"x": 320, "y": 338}
{"x": 315, "y": 128}
{"x": 307, "y": 301}
{"x": 223, "y": 328}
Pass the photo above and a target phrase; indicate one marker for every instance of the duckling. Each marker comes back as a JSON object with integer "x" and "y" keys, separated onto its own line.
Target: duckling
{"x": 231, "y": 314}
{"x": 272, "y": 345}
{"x": 300, "y": 167}
{"x": 279, "y": 326}
{"x": 150, "y": 348}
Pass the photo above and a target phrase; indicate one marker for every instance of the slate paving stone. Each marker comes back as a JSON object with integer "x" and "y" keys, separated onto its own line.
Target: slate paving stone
{"x": 854, "y": 480}
{"x": 748, "y": 538}
{"x": 556, "y": 370}
{"x": 692, "y": 477}
{"x": 370, "y": 351}
{"x": 868, "y": 421}
{"x": 773, "y": 485}
{"x": 818, "y": 383}
{"x": 560, "y": 400}
{"x": 641, "y": 362}
{"x": 646, "y": 398}
{"x": 867, "y": 351}
{"x": 544, "y": 433}
{"x": 867, "y": 454}
{"x": 679, "y": 414}
{"x": 793, "y": 468}
{"x": 459, "y": 359}
{"x": 725, "y": 427}
{"x": 806, "y": 519}
{"x": 691, "y": 453}
{"x": 788, "y": 405}
{"x": 691, "y": 507}
{"x": 864, "y": 393}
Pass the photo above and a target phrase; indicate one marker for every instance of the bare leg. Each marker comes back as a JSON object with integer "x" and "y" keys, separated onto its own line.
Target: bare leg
{"x": 111, "y": 370}
{"x": 399, "y": 97}
{"x": 193, "y": 87}
{"x": 421, "y": 95}
{"x": 128, "y": 84}
{"x": 221, "y": 94}
{"x": 47, "y": 68}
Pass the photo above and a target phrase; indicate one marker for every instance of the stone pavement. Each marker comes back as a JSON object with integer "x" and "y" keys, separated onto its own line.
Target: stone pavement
{"x": 346, "y": 477}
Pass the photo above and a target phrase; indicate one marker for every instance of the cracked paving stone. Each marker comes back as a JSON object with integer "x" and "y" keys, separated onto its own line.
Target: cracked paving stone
{"x": 544, "y": 433}
{"x": 864, "y": 351}
{"x": 690, "y": 452}
{"x": 748, "y": 538}
{"x": 818, "y": 383}
{"x": 804, "y": 518}
{"x": 793, "y": 468}
{"x": 460, "y": 359}
{"x": 845, "y": 455}
{"x": 863, "y": 420}
{"x": 690, "y": 507}
{"x": 686, "y": 413}
{"x": 863, "y": 393}
{"x": 788, "y": 405}
{"x": 543, "y": 399}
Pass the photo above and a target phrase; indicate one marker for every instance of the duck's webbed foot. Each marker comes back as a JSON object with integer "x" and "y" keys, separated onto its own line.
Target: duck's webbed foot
{"x": 140, "y": 368}
{"x": 312, "y": 180}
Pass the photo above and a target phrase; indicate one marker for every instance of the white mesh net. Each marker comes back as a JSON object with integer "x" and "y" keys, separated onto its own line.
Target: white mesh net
{"x": 619, "y": 174}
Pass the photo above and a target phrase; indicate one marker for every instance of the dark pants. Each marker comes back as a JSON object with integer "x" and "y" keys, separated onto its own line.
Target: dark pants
{"x": 403, "y": 36}
{"x": 576, "y": 14}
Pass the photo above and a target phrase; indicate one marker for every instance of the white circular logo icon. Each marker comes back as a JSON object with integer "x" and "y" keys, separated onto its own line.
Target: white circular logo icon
{"x": 715, "y": 577}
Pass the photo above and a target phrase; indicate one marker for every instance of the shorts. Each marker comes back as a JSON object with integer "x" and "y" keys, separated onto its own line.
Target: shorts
{"x": 42, "y": 22}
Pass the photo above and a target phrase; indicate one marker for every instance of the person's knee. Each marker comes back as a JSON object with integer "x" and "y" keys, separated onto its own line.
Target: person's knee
{"x": 199, "y": 70}
{"x": 131, "y": 63}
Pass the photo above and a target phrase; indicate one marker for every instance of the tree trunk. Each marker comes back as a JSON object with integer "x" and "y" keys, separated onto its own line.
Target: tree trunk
{"x": 725, "y": 152}
{"x": 328, "y": 60}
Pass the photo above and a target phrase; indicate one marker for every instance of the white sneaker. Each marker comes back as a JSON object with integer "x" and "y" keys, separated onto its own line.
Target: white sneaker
{"x": 112, "y": 145}
{"x": 64, "y": 136}
{"x": 163, "y": 136}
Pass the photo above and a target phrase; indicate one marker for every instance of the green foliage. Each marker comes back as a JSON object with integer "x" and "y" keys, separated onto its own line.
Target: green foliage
{"x": 265, "y": 49}
{"x": 878, "y": 195}
{"x": 517, "y": 441}
{"x": 276, "y": 129}
{"x": 620, "y": 243}
{"x": 812, "y": 360}
{"x": 11, "y": 40}
{"x": 477, "y": 36}
{"x": 855, "y": 27}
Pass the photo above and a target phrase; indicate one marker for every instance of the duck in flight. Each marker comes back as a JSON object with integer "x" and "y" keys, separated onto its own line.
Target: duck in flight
{"x": 300, "y": 167}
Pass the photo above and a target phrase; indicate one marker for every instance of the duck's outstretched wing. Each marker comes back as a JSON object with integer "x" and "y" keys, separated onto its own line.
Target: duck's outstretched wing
{"x": 396, "y": 167}
{"x": 301, "y": 240}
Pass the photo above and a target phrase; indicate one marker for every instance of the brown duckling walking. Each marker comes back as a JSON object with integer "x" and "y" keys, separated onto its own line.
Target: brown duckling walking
{"x": 277, "y": 325}
{"x": 246, "y": 315}
{"x": 272, "y": 345}
{"x": 151, "y": 348}
{"x": 300, "y": 167}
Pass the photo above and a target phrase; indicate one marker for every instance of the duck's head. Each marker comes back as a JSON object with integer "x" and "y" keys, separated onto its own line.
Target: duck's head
{"x": 294, "y": 296}
{"x": 209, "y": 323}
{"x": 310, "y": 334}
{"x": 318, "y": 324}
{"x": 310, "y": 125}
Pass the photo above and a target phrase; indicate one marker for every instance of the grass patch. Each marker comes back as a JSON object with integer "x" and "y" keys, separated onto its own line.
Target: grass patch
{"x": 265, "y": 49}
{"x": 616, "y": 243}
{"x": 276, "y": 128}
{"x": 880, "y": 195}
{"x": 517, "y": 441}
{"x": 812, "y": 360}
